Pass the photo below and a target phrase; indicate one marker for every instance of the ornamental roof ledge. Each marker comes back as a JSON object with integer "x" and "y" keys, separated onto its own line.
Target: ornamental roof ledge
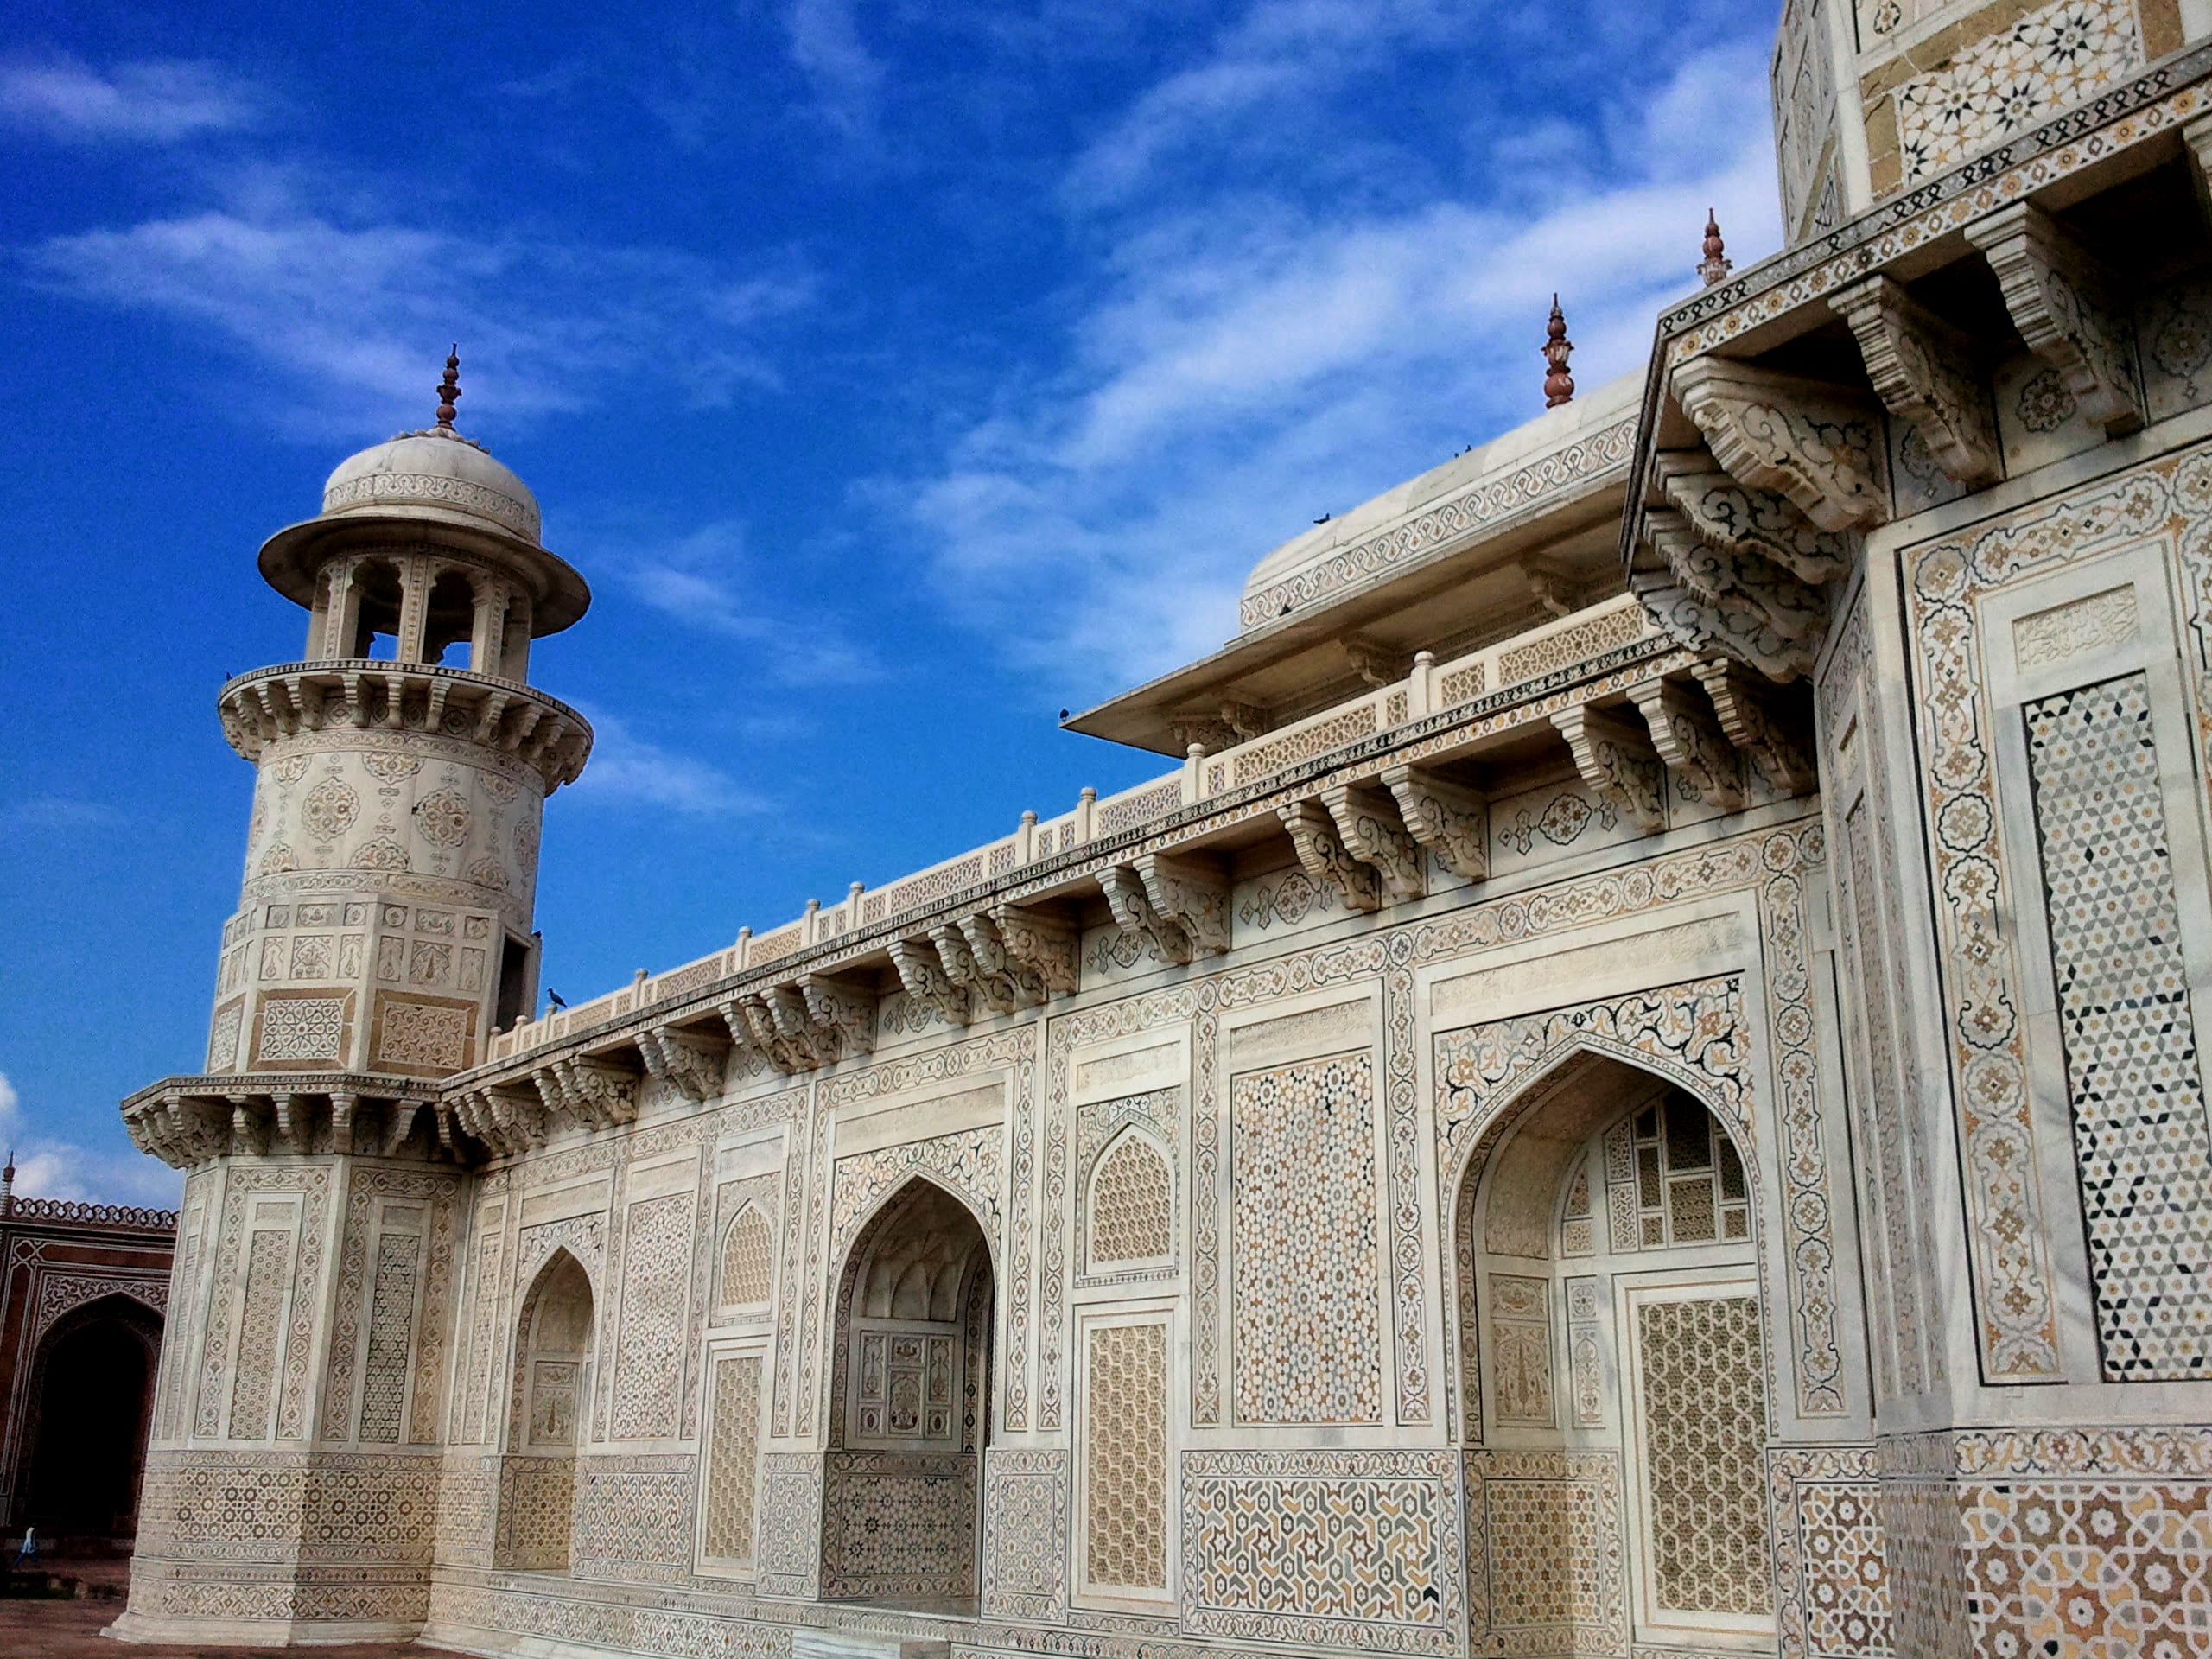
{"x": 1484, "y": 692}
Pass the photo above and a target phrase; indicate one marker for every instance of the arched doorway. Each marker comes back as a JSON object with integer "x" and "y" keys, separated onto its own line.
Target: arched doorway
{"x": 546, "y": 1415}
{"x": 1618, "y": 1406}
{"x": 91, "y": 1387}
{"x": 910, "y": 1407}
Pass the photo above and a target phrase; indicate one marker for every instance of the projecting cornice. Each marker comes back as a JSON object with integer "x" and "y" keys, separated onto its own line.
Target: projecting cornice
{"x": 271, "y": 704}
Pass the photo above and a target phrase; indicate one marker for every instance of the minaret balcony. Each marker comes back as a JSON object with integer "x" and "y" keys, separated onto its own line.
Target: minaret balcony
{"x": 369, "y": 695}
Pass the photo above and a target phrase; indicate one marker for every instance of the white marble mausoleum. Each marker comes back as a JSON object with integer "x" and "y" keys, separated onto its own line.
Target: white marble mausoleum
{"x": 1629, "y": 1090}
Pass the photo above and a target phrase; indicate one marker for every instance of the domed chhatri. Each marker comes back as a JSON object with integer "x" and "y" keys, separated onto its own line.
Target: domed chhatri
{"x": 402, "y": 766}
{"x": 428, "y": 484}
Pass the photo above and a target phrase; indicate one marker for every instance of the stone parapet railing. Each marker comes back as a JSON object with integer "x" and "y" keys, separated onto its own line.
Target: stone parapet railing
{"x": 1429, "y": 688}
{"x": 98, "y": 1215}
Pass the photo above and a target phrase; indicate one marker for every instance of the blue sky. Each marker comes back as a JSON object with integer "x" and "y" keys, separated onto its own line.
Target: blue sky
{"x": 897, "y": 373}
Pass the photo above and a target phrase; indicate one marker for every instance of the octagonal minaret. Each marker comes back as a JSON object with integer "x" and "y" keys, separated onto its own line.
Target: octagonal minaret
{"x": 383, "y": 925}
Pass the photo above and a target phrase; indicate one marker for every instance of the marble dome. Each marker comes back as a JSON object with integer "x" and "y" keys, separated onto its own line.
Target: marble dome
{"x": 435, "y": 474}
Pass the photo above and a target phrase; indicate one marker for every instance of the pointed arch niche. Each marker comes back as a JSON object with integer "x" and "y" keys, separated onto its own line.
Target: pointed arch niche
{"x": 1615, "y": 1393}
{"x": 909, "y": 1416}
{"x": 1129, "y": 1205}
{"x": 546, "y": 1415}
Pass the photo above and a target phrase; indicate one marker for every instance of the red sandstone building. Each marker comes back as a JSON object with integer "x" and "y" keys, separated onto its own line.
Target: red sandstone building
{"x": 83, "y": 1289}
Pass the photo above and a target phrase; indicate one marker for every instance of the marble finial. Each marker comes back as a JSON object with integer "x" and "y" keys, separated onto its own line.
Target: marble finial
{"x": 1558, "y": 384}
{"x": 1715, "y": 266}
{"x": 449, "y": 389}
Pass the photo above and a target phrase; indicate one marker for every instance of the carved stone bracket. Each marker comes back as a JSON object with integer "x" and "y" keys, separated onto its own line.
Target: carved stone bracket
{"x": 692, "y": 1061}
{"x": 250, "y": 1124}
{"x": 1192, "y": 893}
{"x": 2062, "y": 301}
{"x": 1042, "y": 944}
{"x": 1012, "y": 984}
{"x": 506, "y": 1119}
{"x": 843, "y": 1017}
{"x": 1452, "y": 821}
{"x": 1689, "y": 740}
{"x": 1550, "y": 584}
{"x": 182, "y": 1130}
{"x": 1705, "y": 594}
{"x": 976, "y": 959}
{"x": 1750, "y": 717}
{"x": 1377, "y": 664}
{"x": 1924, "y": 372}
{"x": 807, "y": 1043}
{"x": 1211, "y": 733}
{"x": 1820, "y": 445}
{"x": 591, "y": 1092}
{"x": 1247, "y": 719}
{"x": 1322, "y": 853}
{"x": 398, "y": 1124}
{"x": 1725, "y": 513}
{"x": 1367, "y": 820}
{"x": 752, "y": 1025}
{"x": 1615, "y": 760}
{"x": 1139, "y": 919}
{"x": 923, "y": 974}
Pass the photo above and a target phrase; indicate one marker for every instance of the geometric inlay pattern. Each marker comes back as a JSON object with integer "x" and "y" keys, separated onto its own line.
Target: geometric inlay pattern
{"x": 657, "y": 1275}
{"x": 732, "y": 1456}
{"x": 392, "y": 1328}
{"x": 1832, "y": 1571}
{"x": 2142, "y": 1143}
{"x": 1324, "y": 1549}
{"x": 1704, "y": 1421}
{"x": 1131, "y": 1218}
{"x": 1544, "y": 1552}
{"x": 1308, "y": 1343}
{"x": 748, "y": 1259}
{"x": 2017, "y": 78}
{"x": 260, "y": 1331}
{"x": 1125, "y": 1492}
{"x": 302, "y": 1028}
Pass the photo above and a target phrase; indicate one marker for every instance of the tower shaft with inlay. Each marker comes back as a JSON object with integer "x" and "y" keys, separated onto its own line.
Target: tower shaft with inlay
{"x": 384, "y": 932}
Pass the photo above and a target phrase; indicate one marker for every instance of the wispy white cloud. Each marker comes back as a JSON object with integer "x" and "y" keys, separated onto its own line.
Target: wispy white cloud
{"x": 1277, "y": 58}
{"x": 847, "y": 77}
{"x": 354, "y": 311}
{"x": 160, "y": 101}
{"x": 50, "y": 1167}
{"x": 56, "y": 814}
{"x": 1251, "y": 358}
{"x": 631, "y": 770}
{"x": 706, "y": 579}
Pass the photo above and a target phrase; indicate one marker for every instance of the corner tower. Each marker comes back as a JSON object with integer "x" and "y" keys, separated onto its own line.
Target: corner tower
{"x": 391, "y": 862}
{"x": 382, "y": 932}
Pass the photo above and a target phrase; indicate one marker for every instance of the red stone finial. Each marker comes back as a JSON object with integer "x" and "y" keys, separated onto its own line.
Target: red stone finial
{"x": 1558, "y": 384}
{"x": 1715, "y": 266}
{"x": 449, "y": 389}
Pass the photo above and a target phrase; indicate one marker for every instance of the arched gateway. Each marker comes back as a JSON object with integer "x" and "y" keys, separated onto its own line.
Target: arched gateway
{"x": 1616, "y": 1415}
{"x": 910, "y": 1406}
